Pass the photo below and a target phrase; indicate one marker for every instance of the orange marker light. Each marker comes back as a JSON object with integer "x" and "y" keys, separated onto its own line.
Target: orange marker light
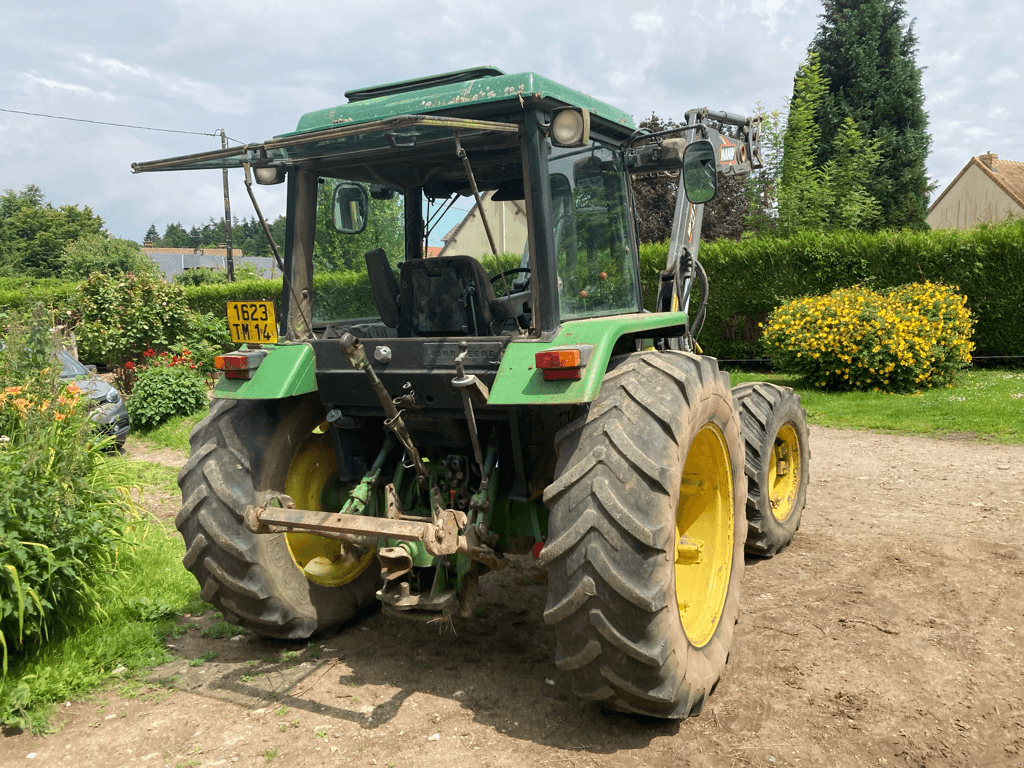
{"x": 239, "y": 365}
{"x": 560, "y": 364}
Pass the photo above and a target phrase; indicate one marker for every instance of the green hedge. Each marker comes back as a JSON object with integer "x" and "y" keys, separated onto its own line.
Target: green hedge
{"x": 750, "y": 278}
{"x": 24, "y": 292}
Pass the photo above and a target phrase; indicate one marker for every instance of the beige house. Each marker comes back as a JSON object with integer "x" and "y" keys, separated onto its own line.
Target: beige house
{"x": 507, "y": 220}
{"x": 986, "y": 190}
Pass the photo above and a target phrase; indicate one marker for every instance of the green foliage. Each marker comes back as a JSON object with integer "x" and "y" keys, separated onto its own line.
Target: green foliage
{"x": 982, "y": 403}
{"x": 99, "y": 253}
{"x": 222, "y": 629}
{"x": 342, "y": 295}
{"x": 914, "y": 337}
{"x": 867, "y": 53}
{"x": 334, "y": 251}
{"x": 22, "y": 293}
{"x": 204, "y": 336}
{"x": 762, "y": 187}
{"x": 33, "y": 233}
{"x": 60, "y": 510}
{"x": 803, "y": 189}
{"x": 212, "y": 298}
{"x": 849, "y": 171}
{"x": 205, "y": 275}
{"x": 123, "y": 315}
{"x": 750, "y": 278}
{"x": 169, "y": 386}
{"x": 201, "y": 276}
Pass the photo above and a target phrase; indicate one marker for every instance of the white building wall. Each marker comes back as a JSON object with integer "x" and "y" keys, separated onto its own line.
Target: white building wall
{"x": 973, "y": 199}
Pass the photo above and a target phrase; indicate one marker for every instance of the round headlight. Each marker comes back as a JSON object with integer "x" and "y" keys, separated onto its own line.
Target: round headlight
{"x": 269, "y": 175}
{"x": 570, "y": 127}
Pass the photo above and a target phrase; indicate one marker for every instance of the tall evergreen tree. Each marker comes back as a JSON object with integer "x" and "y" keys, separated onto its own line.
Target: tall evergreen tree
{"x": 866, "y": 49}
{"x": 804, "y": 191}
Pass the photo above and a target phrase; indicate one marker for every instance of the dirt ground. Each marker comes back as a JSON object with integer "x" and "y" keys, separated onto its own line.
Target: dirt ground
{"x": 891, "y": 633}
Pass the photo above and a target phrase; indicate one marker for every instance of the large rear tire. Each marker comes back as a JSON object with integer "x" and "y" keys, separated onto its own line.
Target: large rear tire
{"x": 242, "y": 453}
{"x": 778, "y": 457}
{"x": 645, "y": 555}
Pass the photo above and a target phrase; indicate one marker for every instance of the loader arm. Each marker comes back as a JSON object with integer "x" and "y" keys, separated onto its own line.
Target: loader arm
{"x": 737, "y": 143}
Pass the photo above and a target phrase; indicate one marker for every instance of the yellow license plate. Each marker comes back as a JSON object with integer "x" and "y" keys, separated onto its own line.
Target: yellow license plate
{"x": 252, "y": 322}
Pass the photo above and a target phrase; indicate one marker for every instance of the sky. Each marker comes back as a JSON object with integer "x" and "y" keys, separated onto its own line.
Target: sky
{"x": 253, "y": 68}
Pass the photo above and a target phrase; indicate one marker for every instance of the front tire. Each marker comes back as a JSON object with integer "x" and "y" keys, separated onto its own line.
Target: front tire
{"x": 645, "y": 555}
{"x": 243, "y": 453}
{"x": 778, "y": 456}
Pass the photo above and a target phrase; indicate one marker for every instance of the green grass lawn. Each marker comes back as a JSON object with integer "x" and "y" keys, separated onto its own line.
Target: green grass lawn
{"x": 986, "y": 404}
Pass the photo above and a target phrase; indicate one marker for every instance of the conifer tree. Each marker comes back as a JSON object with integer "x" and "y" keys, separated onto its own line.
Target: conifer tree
{"x": 866, "y": 50}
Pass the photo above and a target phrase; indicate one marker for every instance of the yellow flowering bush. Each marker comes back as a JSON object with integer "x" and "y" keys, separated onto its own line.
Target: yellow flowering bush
{"x": 913, "y": 337}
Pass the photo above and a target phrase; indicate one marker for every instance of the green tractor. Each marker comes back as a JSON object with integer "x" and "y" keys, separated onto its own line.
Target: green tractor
{"x": 396, "y": 456}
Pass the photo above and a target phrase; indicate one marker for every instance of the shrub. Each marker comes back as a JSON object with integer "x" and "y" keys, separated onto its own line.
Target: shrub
{"x": 100, "y": 253}
{"x": 168, "y": 386}
{"x": 122, "y": 315}
{"x": 203, "y": 337}
{"x": 60, "y": 512}
{"x": 913, "y": 337}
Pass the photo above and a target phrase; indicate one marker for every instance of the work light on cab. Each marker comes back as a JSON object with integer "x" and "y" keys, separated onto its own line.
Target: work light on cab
{"x": 570, "y": 127}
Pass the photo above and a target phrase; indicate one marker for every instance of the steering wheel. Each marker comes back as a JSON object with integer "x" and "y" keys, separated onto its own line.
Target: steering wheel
{"x": 507, "y": 272}
{"x": 514, "y": 271}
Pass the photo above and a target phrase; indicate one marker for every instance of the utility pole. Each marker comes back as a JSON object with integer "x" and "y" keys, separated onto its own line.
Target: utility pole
{"x": 227, "y": 213}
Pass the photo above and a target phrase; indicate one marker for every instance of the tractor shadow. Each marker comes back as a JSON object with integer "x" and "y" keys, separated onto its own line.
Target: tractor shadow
{"x": 498, "y": 666}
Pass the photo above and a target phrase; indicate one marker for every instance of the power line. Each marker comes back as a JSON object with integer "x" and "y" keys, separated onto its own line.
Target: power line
{"x": 116, "y": 125}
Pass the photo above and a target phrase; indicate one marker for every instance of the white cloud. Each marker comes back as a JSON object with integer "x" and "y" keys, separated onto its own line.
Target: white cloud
{"x": 51, "y": 84}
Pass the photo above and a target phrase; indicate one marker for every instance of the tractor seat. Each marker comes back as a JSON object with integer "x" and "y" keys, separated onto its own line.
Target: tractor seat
{"x": 448, "y": 296}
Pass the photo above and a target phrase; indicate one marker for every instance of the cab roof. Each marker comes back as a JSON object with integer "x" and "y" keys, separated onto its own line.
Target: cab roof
{"x": 479, "y": 93}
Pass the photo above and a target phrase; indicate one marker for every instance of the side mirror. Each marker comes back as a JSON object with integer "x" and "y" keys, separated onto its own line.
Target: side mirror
{"x": 350, "y": 207}
{"x": 700, "y": 174}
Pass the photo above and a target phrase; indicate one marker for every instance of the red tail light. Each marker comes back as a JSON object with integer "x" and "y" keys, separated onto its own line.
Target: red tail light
{"x": 239, "y": 365}
{"x": 563, "y": 363}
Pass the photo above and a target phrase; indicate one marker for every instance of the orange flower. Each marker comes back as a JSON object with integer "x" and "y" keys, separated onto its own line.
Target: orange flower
{"x": 60, "y": 416}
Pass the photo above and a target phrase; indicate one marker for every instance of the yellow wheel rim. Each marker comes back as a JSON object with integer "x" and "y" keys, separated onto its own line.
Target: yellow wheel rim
{"x": 784, "y": 473}
{"x": 704, "y": 535}
{"x": 312, "y": 482}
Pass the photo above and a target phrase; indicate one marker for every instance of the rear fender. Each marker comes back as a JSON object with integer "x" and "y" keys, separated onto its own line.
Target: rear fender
{"x": 518, "y": 381}
{"x": 289, "y": 369}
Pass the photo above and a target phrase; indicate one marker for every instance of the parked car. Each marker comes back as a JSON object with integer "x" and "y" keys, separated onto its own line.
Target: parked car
{"x": 108, "y": 412}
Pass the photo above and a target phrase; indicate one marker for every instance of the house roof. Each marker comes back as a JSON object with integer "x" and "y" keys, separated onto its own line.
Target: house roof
{"x": 1008, "y": 175}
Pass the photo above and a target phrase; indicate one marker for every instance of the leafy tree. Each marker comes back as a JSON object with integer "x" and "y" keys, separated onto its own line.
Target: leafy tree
{"x": 762, "y": 188}
{"x": 33, "y": 233}
{"x": 99, "y": 253}
{"x": 152, "y": 236}
{"x": 867, "y": 51}
{"x": 334, "y": 251}
{"x": 655, "y": 201}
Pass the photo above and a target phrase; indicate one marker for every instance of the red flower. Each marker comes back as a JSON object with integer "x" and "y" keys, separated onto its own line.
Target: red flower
{"x": 129, "y": 366}
{"x": 148, "y": 353}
